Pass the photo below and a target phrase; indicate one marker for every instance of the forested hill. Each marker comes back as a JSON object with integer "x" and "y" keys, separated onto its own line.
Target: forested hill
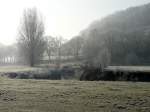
{"x": 122, "y": 38}
{"x": 131, "y": 19}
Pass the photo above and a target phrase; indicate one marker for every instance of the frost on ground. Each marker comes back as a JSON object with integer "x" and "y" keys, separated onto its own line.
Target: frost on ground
{"x": 73, "y": 96}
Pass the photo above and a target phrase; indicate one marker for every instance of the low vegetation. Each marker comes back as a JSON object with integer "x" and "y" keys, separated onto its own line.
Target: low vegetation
{"x": 22, "y": 72}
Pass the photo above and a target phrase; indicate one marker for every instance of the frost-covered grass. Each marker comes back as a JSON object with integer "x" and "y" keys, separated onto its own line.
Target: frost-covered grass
{"x": 129, "y": 68}
{"x": 73, "y": 96}
{"x": 5, "y": 69}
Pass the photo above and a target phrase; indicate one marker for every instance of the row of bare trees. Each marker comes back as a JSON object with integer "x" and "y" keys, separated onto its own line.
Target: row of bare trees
{"x": 53, "y": 48}
{"x": 8, "y": 54}
{"x": 33, "y": 45}
{"x": 115, "y": 40}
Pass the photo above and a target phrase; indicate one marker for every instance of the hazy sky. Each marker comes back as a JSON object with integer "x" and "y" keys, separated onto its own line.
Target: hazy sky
{"x": 62, "y": 17}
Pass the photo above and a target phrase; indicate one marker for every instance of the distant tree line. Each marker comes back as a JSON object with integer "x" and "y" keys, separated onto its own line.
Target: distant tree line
{"x": 118, "y": 39}
{"x": 122, "y": 38}
{"x": 8, "y": 54}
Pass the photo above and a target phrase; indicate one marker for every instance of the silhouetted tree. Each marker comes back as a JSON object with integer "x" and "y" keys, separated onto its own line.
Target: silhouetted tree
{"x": 31, "y": 42}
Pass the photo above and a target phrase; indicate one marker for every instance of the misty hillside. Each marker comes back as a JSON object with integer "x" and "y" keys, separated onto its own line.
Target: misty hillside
{"x": 131, "y": 19}
{"x": 121, "y": 38}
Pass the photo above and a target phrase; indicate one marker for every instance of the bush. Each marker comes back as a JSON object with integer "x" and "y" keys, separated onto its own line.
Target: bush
{"x": 40, "y": 76}
{"x": 51, "y": 74}
{"x": 55, "y": 75}
{"x": 23, "y": 76}
{"x": 67, "y": 72}
{"x": 91, "y": 73}
{"x": 11, "y": 75}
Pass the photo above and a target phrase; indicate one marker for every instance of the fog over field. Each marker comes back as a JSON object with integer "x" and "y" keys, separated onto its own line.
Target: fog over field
{"x": 75, "y": 56}
{"x": 62, "y": 17}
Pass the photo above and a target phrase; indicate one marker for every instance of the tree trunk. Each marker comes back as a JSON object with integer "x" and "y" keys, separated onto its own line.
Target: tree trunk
{"x": 32, "y": 58}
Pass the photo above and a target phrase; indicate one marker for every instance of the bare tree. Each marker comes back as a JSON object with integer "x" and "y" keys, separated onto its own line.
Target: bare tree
{"x": 95, "y": 50}
{"x": 76, "y": 44}
{"x": 59, "y": 42}
{"x": 50, "y": 46}
{"x": 31, "y": 42}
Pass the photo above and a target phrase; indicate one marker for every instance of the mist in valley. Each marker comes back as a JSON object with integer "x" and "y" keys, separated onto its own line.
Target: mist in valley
{"x": 75, "y": 56}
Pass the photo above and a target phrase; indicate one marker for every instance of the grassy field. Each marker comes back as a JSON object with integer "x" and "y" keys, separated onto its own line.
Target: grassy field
{"x": 73, "y": 96}
{"x": 129, "y": 68}
{"x": 5, "y": 69}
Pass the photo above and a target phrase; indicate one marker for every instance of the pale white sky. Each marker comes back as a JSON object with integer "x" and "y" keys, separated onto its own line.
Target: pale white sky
{"x": 62, "y": 17}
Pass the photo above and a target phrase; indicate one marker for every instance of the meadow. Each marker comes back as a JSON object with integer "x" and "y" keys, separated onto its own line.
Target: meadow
{"x": 29, "y": 95}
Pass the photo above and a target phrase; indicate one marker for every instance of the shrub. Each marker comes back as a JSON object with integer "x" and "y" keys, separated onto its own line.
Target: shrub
{"x": 91, "y": 73}
{"x": 55, "y": 75}
{"x": 11, "y": 75}
{"x": 23, "y": 76}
